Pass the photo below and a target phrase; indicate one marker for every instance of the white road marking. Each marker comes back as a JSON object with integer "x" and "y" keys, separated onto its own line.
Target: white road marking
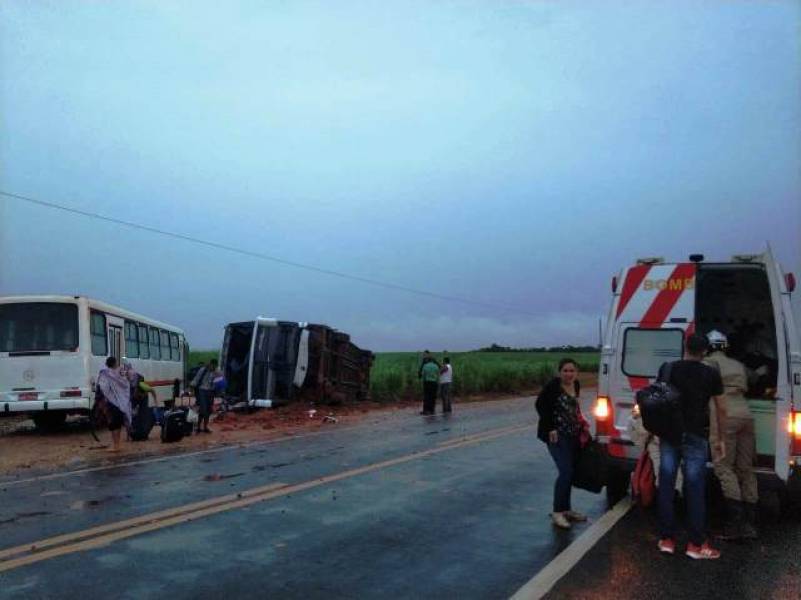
{"x": 543, "y": 581}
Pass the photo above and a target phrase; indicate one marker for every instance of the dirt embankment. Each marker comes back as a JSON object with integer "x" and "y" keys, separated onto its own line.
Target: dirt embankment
{"x": 25, "y": 450}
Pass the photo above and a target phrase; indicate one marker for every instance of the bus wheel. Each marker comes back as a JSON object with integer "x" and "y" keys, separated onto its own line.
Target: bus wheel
{"x": 617, "y": 486}
{"x": 49, "y": 421}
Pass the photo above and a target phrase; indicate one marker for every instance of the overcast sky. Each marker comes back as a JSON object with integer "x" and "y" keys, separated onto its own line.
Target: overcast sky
{"x": 514, "y": 153}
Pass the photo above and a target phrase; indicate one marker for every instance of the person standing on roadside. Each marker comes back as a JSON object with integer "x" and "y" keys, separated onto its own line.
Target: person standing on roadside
{"x": 445, "y": 381}
{"x": 697, "y": 384}
{"x": 203, "y": 386}
{"x": 562, "y": 427}
{"x": 426, "y": 359}
{"x": 116, "y": 390}
{"x": 736, "y": 469}
{"x": 429, "y": 373}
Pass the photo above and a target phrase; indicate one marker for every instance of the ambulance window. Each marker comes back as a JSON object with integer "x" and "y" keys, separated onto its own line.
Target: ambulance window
{"x": 644, "y": 350}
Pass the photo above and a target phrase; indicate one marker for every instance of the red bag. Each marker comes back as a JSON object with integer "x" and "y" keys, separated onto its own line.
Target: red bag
{"x": 643, "y": 480}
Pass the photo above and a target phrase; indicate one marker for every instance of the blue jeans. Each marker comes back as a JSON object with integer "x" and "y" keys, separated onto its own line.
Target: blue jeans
{"x": 694, "y": 450}
{"x": 564, "y": 453}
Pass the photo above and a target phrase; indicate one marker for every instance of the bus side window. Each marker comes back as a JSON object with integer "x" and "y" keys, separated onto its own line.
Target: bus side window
{"x": 131, "y": 341}
{"x": 175, "y": 350}
{"x": 97, "y": 327}
{"x": 165, "y": 345}
{"x": 155, "y": 348}
{"x": 144, "y": 346}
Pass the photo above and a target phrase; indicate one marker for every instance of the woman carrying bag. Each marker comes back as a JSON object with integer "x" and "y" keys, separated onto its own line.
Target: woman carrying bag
{"x": 565, "y": 431}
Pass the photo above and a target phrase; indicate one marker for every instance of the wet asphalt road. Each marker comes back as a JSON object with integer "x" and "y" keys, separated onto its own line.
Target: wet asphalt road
{"x": 626, "y": 564}
{"x": 466, "y": 520}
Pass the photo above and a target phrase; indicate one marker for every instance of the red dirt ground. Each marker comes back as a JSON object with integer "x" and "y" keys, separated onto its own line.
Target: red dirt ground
{"x": 25, "y": 450}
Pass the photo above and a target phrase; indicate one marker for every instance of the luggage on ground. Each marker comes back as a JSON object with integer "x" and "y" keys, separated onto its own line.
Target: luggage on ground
{"x": 141, "y": 415}
{"x": 142, "y": 422}
{"x": 174, "y": 425}
{"x": 591, "y": 469}
{"x": 643, "y": 479}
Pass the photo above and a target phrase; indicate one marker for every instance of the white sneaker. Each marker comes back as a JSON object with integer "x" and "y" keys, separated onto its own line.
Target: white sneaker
{"x": 575, "y": 516}
{"x": 560, "y": 520}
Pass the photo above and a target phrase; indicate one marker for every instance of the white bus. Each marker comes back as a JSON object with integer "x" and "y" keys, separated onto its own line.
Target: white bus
{"x": 52, "y": 347}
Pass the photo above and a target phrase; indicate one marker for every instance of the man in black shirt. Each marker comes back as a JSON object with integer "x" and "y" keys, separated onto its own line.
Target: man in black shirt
{"x": 697, "y": 383}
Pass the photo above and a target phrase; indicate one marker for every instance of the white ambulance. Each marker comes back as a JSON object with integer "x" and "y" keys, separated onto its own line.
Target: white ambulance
{"x": 656, "y": 304}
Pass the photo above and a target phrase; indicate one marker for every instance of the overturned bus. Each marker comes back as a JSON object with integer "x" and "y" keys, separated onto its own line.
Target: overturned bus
{"x": 268, "y": 362}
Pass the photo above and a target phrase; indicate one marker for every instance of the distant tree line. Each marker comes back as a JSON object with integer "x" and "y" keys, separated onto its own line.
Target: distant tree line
{"x": 555, "y": 349}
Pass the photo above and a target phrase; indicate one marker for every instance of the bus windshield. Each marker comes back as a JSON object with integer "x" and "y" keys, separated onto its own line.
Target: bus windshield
{"x": 38, "y": 326}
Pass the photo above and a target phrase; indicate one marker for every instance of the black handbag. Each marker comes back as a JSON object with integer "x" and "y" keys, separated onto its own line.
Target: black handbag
{"x": 591, "y": 469}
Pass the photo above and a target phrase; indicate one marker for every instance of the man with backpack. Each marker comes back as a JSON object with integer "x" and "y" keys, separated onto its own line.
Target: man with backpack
{"x": 695, "y": 384}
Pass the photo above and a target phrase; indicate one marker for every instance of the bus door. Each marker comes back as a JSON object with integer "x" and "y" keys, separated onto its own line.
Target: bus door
{"x": 115, "y": 337}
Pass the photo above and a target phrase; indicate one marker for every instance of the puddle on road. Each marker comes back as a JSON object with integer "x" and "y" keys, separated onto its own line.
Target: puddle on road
{"x": 271, "y": 466}
{"x": 84, "y": 504}
{"x": 220, "y": 477}
{"x": 27, "y": 515}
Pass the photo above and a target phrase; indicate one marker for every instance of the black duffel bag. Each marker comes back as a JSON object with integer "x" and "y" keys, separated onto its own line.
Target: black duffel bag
{"x": 591, "y": 469}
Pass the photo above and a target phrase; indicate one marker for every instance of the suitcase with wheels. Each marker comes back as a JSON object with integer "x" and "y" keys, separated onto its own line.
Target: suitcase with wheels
{"x": 142, "y": 421}
{"x": 175, "y": 425}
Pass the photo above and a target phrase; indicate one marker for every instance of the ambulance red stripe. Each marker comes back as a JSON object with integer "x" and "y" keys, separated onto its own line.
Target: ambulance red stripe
{"x": 661, "y": 307}
{"x": 634, "y": 279}
{"x": 666, "y": 299}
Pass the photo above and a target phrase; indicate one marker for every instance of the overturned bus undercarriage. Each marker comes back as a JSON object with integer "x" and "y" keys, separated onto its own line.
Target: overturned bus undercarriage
{"x": 267, "y": 362}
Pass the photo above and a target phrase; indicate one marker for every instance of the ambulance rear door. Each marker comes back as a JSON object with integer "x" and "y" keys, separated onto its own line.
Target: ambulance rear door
{"x": 655, "y": 311}
{"x": 788, "y": 350}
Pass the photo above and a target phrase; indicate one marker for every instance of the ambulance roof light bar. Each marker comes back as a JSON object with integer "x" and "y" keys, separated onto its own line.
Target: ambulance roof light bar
{"x": 650, "y": 260}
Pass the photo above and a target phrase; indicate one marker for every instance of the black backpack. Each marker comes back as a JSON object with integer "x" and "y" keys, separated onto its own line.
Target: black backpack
{"x": 660, "y": 407}
{"x": 142, "y": 419}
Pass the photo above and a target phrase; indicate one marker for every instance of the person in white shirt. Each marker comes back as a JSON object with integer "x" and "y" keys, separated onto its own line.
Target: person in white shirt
{"x": 445, "y": 380}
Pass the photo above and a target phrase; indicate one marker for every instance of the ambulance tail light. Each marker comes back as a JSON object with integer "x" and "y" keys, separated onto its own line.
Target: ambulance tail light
{"x": 794, "y": 429}
{"x": 789, "y": 280}
{"x": 603, "y": 416}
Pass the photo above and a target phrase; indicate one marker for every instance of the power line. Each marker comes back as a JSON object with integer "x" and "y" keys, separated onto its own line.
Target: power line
{"x": 260, "y": 255}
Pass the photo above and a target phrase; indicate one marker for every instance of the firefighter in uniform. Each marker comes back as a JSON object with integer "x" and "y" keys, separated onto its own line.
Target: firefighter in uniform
{"x": 736, "y": 469}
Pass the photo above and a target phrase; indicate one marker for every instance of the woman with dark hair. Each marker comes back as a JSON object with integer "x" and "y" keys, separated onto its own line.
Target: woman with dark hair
{"x": 563, "y": 428}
